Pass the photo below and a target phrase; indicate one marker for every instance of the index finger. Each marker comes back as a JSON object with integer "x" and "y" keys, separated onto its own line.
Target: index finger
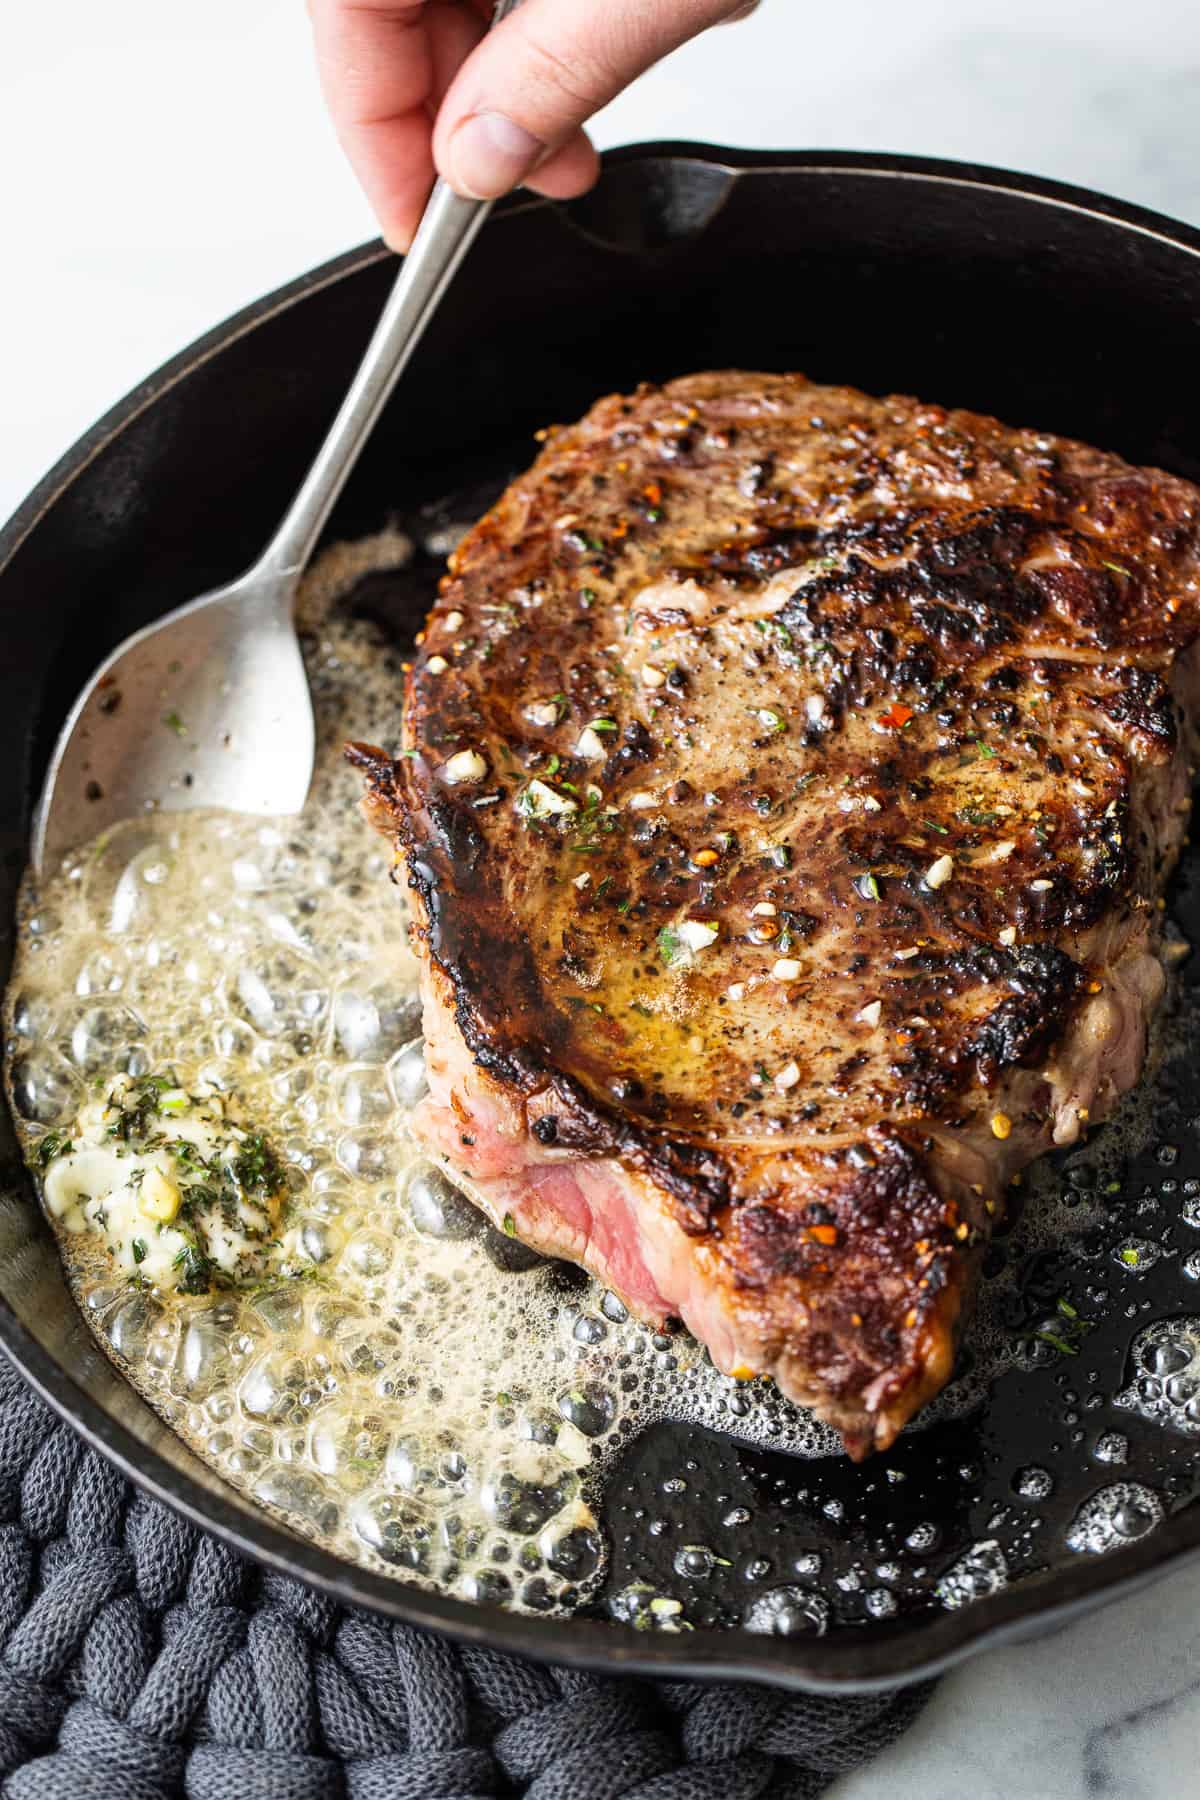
{"x": 384, "y": 66}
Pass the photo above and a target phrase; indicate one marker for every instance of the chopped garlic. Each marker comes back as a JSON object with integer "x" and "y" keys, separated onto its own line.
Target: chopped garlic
{"x": 1000, "y": 852}
{"x": 437, "y": 665}
{"x": 764, "y": 910}
{"x": 696, "y": 934}
{"x": 158, "y": 1198}
{"x": 870, "y": 1013}
{"x": 453, "y": 621}
{"x": 652, "y": 677}
{"x": 1008, "y": 934}
{"x": 464, "y": 769}
{"x": 814, "y": 706}
{"x": 871, "y": 804}
{"x": 737, "y": 991}
{"x": 641, "y": 800}
{"x": 786, "y": 969}
{"x": 787, "y": 1077}
{"x": 581, "y": 881}
{"x": 542, "y": 713}
{"x": 909, "y": 950}
{"x": 538, "y": 801}
{"x": 938, "y": 873}
{"x": 591, "y": 745}
{"x": 1040, "y": 886}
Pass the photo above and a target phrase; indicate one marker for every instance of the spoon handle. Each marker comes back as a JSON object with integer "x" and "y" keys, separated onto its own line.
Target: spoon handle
{"x": 447, "y": 229}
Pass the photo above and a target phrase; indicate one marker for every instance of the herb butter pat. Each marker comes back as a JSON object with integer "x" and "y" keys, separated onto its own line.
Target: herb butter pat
{"x": 184, "y": 1199}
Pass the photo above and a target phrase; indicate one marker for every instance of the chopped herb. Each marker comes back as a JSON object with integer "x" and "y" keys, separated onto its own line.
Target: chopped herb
{"x": 174, "y": 723}
{"x": 256, "y": 1168}
{"x": 867, "y": 887}
{"x": 139, "y": 1250}
{"x": 1130, "y": 1257}
{"x": 510, "y": 1225}
{"x": 55, "y": 1143}
{"x": 195, "y": 1269}
{"x": 934, "y": 826}
{"x": 671, "y": 947}
{"x": 1116, "y": 569}
{"x": 780, "y": 856}
{"x": 977, "y": 815}
{"x": 1067, "y": 1337}
{"x": 603, "y": 725}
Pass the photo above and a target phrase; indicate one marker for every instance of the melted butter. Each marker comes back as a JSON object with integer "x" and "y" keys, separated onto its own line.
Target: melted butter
{"x": 411, "y": 1397}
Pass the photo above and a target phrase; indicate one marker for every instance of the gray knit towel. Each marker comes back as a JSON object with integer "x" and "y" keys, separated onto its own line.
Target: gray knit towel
{"x": 141, "y": 1659}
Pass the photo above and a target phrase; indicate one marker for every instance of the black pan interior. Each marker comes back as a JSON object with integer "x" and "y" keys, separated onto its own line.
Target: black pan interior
{"x": 1037, "y": 304}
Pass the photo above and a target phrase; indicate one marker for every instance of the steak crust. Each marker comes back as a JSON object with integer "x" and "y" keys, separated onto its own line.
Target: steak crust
{"x": 789, "y": 783}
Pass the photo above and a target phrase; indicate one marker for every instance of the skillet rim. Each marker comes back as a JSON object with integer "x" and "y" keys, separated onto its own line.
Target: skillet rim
{"x": 857, "y": 1660}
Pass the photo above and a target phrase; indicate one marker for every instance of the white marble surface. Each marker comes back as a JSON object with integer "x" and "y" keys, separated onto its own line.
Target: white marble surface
{"x": 1107, "y": 1709}
{"x": 162, "y": 164}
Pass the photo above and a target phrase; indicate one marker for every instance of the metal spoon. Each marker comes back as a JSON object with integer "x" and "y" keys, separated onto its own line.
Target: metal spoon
{"x": 210, "y": 706}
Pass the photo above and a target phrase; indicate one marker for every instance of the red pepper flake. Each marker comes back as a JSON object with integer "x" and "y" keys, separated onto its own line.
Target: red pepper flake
{"x": 653, "y": 493}
{"x": 897, "y": 716}
{"x": 823, "y": 1234}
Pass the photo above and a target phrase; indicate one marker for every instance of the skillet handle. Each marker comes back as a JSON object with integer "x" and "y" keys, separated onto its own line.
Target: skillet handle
{"x": 447, "y": 229}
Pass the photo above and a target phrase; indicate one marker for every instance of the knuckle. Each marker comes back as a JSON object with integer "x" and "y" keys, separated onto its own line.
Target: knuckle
{"x": 582, "y": 80}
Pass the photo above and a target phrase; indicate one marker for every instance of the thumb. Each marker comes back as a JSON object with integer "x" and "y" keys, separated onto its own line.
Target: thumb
{"x": 526, "y": 89}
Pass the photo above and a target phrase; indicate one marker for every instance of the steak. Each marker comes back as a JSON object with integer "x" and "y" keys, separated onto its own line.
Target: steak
{"x": 789, "y": 783}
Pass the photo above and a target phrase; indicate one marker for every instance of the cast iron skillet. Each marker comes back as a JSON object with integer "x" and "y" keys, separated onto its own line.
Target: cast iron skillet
{"x": 1044, "y": 304}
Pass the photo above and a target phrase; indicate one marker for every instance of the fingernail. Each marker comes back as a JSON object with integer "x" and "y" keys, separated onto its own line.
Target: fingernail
{"x": 489, "y": 154}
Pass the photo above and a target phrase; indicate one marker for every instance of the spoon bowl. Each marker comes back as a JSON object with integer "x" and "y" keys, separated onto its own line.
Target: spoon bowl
{"x": 209, "y": 706}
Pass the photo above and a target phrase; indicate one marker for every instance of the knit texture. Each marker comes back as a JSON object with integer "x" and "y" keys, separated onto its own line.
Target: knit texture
{"x": 141, "y": 1659}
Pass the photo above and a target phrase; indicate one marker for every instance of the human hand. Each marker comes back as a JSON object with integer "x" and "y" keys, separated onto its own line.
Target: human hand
{"x": 418, "y": 86}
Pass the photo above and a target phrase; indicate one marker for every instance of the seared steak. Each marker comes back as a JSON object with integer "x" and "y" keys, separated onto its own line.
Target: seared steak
{"x": 789, "y": 784}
